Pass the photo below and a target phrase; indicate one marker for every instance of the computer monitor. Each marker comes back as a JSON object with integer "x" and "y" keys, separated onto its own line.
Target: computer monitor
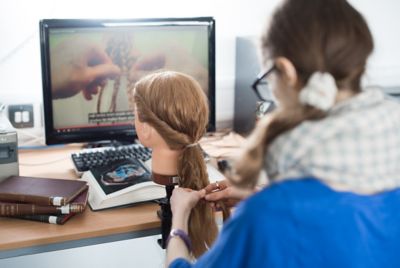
{"x": 100, "y": 110}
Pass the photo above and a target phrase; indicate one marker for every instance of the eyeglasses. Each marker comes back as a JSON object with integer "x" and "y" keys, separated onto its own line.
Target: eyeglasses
{"x": 260, "y": 85}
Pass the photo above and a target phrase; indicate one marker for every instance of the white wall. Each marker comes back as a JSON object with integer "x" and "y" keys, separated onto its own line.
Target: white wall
{"x": 384, "y": 21}
{"x": 19, "y": 50}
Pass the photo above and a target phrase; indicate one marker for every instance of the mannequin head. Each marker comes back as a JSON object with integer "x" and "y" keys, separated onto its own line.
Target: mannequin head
{"x": 171, "y": 115}
{"x": 171, "y": 112}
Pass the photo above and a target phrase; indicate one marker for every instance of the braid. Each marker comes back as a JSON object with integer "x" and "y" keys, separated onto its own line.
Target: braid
{"x": 249, "y": 165}
{"x": 181, "y": 126}
{"x": 178, "y": 140}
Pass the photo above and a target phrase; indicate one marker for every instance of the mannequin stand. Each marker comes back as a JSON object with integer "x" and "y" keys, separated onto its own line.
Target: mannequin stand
{"x": 165, "y": 215}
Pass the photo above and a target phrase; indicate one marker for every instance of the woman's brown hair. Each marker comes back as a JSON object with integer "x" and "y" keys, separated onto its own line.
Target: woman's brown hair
{"x": 176, "y": 106}
{"x": 315, "y": 35}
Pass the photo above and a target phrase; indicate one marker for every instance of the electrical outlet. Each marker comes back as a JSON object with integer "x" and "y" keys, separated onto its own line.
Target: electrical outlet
{"x": 21, "y": 115}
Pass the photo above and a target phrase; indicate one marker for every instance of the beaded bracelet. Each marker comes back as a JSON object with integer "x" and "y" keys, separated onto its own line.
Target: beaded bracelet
{"x": 182, "y": 235}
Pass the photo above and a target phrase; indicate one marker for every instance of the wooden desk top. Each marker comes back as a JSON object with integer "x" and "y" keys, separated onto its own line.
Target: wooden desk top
{"x": 55, "y": 162}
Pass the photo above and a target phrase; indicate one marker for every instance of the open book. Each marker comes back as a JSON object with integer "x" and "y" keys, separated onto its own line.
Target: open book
{"x": 127, "y": 182}
{"x": 122, "y": 183}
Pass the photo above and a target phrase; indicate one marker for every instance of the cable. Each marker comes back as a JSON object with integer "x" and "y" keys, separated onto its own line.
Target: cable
{"x": 28, "y": 134}
{"x": 32, "y": 138}
{"x": 2, "y": 107}
{"x": 45, "y": 163}
{"x": 39, "y": 147}
{"x": 17, "y": 48}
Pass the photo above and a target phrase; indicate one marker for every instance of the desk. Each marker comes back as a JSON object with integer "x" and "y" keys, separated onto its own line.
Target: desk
{"x": 21, "y": 237}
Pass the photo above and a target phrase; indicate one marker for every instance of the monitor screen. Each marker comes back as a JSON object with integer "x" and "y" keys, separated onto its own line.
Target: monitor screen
{"x": 85, "y": 100}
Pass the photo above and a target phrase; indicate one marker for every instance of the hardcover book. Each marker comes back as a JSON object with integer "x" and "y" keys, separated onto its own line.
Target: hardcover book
{"x": 77, "y": 205}
{"x": 40, "y": 191}
{"x": 54, "y": 219}
{"x": 121, "y": 183}
{"x": 80, "y": 201}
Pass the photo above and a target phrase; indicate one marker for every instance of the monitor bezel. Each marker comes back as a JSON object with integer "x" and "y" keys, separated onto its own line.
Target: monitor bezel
{"x": 124, "y": 134}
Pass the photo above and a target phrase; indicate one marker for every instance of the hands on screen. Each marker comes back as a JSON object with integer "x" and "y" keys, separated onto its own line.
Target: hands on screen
{"x": 80, "y": 66}
{"x": 171, "y": 57}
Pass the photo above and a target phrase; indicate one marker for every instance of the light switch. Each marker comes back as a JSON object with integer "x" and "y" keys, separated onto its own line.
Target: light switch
{"x": 25, "y": 116}
{"x": 21, "y": 115}
{"x": 17, "y": 117}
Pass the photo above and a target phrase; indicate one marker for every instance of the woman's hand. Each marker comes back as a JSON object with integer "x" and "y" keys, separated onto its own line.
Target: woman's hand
{"x": 80, "y": 66}
{"x": 225, "y": 192}
{"x": 182, "y": 202}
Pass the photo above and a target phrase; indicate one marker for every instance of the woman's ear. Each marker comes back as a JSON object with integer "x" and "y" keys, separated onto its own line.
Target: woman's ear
{"x": 287, "y": 70}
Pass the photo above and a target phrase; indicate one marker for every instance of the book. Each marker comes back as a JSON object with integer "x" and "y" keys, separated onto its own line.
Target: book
{"x": 127, "y": 182}
{"x": 54, "y": 219}
{"x": 77, "y": 205}
{"x": 80, "y": 200}
{"x": 121, "y": 183}
{"x": 40, "y": 191}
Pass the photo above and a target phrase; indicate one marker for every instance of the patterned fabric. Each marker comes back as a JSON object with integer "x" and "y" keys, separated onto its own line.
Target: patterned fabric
{"x": 356, "y": 148}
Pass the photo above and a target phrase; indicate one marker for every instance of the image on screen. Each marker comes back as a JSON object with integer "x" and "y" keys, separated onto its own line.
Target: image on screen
{"x": 137, "y": 48}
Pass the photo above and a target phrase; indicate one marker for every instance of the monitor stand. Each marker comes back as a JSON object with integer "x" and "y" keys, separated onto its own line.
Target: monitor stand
{"x": 108, "y": 143}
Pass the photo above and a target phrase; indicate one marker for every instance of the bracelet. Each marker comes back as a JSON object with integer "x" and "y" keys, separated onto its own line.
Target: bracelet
{"x": 182, "y": 235}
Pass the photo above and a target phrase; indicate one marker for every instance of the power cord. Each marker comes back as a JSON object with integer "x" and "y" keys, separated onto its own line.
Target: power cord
{"x": 44, "y": 163}
{"x": 2, "y": 107}
{"x": 29, "y": 139}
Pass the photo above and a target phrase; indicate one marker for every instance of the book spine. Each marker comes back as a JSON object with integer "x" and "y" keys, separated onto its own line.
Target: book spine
{"x": 72, "y": 208}
{"x": 57, "y": 201}
{"x": 38, "y": 200}
{"x": 14, "y": 209}
{"x": 46, "y": 218}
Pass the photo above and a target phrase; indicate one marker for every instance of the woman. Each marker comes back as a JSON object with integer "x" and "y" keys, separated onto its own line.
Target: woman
{"x": 330, "y": 149}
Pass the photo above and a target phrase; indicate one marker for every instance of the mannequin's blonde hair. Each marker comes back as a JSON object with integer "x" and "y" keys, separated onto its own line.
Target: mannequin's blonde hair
{"x": 176, "y": 106}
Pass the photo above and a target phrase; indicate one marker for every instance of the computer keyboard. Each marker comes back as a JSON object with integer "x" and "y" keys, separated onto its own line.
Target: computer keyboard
{"x": 93, "y": 157}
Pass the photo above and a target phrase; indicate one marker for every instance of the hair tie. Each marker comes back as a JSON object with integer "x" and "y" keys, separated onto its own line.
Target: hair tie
{"x": 320, "y": 91}
{"x": 192, "y": 145}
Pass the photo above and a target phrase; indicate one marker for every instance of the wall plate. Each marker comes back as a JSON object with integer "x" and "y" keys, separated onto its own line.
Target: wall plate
{"x": 21, "y": 115}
